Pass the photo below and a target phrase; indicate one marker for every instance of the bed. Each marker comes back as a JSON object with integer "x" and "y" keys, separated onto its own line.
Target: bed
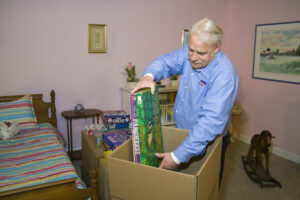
{"x": 33, "y": 163}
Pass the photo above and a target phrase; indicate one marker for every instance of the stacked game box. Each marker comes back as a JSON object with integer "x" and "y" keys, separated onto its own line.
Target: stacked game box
{"x": 146, "y": 127}
{"x": 115, "y": 119}
{"x": 111, "y": 138}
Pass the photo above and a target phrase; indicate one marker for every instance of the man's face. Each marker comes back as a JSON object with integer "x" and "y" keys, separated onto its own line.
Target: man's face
{"x": 200, "y": 53}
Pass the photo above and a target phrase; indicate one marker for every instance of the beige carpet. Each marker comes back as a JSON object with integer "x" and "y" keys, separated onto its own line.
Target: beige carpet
{"x": 236, "y": 184}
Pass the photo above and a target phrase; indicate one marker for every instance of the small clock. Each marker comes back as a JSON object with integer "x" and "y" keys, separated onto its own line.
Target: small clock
{"x": 79, "y": 108}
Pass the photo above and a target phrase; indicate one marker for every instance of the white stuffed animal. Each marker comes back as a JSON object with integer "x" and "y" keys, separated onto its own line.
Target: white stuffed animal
{"x": 8, "y": 129}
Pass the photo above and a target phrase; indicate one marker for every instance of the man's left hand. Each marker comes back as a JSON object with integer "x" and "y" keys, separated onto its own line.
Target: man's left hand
{"x": 167, "y": 162}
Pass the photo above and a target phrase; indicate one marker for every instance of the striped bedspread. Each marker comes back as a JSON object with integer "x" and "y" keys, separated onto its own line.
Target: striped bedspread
{"x": 34, "y": 156}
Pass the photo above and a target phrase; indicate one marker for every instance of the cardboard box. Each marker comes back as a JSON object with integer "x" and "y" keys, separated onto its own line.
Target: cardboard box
{"x": 93, "y": 157}
{"x": 199, "y": 179}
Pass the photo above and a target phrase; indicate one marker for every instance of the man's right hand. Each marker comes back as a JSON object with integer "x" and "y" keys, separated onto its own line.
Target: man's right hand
{"x": 146, "y": 82}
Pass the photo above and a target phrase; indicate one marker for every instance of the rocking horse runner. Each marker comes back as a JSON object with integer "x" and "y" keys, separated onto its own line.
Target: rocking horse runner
{"x": 253, "y": 162}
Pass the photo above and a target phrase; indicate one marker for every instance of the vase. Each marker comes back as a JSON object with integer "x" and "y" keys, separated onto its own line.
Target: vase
{"x": 131, "y": 85}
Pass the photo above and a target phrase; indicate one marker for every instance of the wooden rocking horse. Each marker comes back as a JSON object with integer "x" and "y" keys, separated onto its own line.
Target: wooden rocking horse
{"x": 253, "y": 162}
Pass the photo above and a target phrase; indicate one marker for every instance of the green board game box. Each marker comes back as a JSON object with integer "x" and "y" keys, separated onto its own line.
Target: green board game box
{"x": 147, "y": 126}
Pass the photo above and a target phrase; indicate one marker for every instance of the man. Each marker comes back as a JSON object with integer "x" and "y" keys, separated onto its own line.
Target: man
{"x": 206, "y": 92}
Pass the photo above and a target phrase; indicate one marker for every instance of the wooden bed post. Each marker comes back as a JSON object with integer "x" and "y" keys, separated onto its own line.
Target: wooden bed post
{"x": 93, "y": 181}
{"x": 53, "y": 109}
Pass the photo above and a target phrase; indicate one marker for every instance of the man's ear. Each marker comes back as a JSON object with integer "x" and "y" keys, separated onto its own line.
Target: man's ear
{"x": 218, "y": 47}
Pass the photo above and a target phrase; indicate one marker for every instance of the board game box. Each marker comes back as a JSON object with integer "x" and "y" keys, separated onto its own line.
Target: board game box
{"x": 115, "y": 119}
{"x": 98, "y": 135}
{"x": 115, "y": 139}
{"x": 148, "y": 126}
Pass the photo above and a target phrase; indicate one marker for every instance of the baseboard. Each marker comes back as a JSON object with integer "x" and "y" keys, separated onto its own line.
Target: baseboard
{"x": 275, "y": 150}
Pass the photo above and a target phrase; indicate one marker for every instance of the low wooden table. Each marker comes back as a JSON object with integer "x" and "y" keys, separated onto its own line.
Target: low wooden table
{"x": 69, "y": 115}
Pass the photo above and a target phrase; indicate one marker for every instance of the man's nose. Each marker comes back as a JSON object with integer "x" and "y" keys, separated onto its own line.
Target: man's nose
{"x": 194, "y": 56}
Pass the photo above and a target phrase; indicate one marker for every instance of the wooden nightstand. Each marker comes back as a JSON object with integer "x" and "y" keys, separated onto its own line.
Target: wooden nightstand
{"x": 70, "y": 115}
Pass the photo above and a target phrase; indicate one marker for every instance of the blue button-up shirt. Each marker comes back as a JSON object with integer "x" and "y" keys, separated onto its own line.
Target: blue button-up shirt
{"x": 204, "y": 98}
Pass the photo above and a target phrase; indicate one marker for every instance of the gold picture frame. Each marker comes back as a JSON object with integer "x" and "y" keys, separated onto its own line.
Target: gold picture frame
{"x": 97, "y": 41}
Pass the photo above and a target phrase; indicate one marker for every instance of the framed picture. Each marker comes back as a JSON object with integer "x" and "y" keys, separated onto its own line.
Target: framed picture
{"x": 169, "y": 114}
{"x": 185, "y": 37}
{"x": 277, "y": 52}
{"x": 97, "y": 38}
{"x": 163, "y": 114}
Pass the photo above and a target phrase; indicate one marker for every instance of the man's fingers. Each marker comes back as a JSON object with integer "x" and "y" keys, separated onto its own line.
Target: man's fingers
{"x": 134, "y": 90}
{"x": 152, "y": 89}
{"x": 145, "y": 82}
{"x": 160, "y": 155}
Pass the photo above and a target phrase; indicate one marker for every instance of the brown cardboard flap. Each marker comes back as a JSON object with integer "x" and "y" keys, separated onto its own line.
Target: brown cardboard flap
{"x": 173, "y": 137}
{"x": 208, "y": 175}
{"x": 90, "y": 152}
{"x": 103, "y": 185}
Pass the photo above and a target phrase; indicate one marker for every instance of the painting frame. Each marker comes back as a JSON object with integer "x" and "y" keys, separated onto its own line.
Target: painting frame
{"x": 277, "y": 52}
{"x": 97, "y": 38}
{"x": 185, "y": 37}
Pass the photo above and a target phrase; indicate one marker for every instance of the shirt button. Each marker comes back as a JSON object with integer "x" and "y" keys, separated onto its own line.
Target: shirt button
{"x": 176, "y": 110}
{"x": 192, "y": 74}
{"x": 183, "y": 100}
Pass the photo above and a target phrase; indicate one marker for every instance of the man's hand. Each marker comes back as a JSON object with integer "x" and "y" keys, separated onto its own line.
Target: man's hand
{"x": 145, "y": 82}
{"x": 167, "y": 162}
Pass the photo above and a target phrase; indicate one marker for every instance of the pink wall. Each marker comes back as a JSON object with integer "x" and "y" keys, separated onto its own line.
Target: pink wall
{"x": 267, "y": 104}
{"x": 43, "y": 46}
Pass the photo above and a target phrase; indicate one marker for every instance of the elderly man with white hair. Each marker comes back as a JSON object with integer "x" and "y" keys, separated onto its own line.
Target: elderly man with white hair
{"x": 206, "y": 93}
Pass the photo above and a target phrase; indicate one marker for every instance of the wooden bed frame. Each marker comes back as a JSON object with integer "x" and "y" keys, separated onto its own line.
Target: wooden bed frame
{"x": 65, "y": 189}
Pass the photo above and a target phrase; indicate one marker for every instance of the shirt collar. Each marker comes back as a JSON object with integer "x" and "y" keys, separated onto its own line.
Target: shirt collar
{"x": 206, "y": 70}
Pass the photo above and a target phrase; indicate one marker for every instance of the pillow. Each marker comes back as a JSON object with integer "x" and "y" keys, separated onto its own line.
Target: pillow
{"x": 19, "y": 111}
{"x": 8, "y": 129}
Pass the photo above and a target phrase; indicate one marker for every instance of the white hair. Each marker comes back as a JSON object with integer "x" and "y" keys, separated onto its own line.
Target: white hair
{"x": 207, "y": 31}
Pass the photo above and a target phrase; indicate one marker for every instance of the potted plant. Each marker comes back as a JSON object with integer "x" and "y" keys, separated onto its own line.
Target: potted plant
{"x": 131, "y": 79}
{"x": 174, "y": 81}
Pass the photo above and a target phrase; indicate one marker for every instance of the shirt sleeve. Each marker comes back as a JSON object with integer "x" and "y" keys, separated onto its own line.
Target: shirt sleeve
{"x": 167, "y": 64}
{"x": 175, "y": 159}
{"x": 213, "y": 115}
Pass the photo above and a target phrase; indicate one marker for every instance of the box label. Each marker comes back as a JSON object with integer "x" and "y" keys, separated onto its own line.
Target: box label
{"x": 135, "y": 132}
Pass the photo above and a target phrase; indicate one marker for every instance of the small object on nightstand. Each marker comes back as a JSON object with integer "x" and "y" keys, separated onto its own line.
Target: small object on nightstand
{"x": 79, "y": 108}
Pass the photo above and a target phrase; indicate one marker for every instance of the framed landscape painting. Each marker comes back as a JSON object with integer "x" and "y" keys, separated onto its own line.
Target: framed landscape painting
{"x": 277, "y": 52}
